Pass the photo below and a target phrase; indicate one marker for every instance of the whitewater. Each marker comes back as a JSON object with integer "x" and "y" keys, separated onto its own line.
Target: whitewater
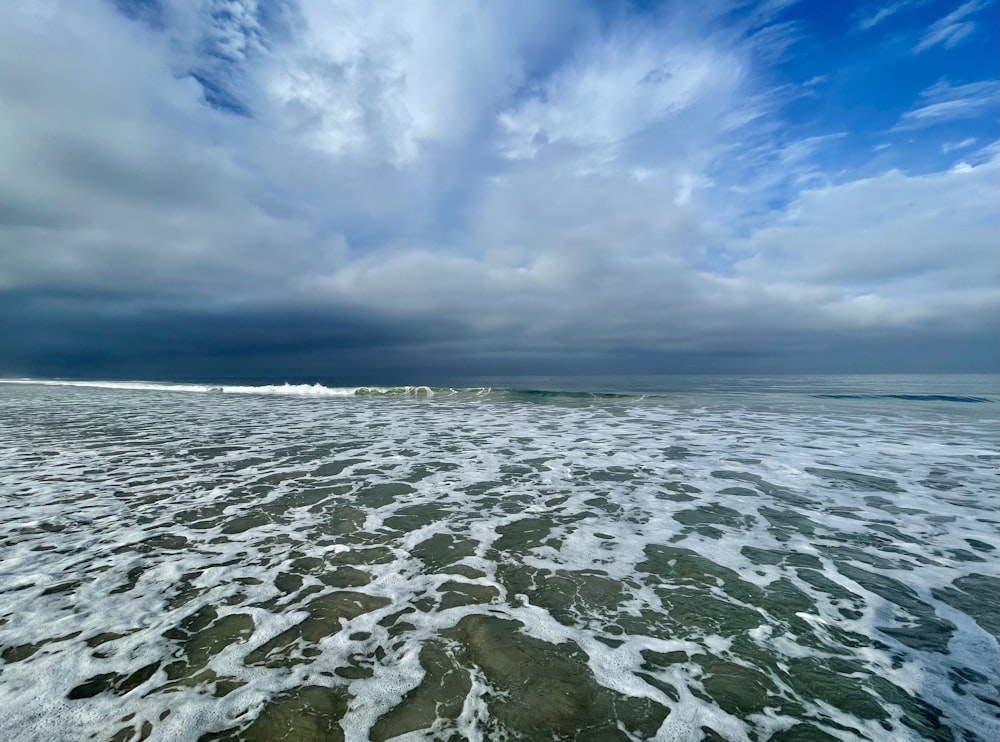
{"x": 795, "y": 558}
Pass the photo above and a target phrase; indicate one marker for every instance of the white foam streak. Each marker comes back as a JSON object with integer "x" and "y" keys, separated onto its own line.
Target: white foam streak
{"x": 284, "y": 390}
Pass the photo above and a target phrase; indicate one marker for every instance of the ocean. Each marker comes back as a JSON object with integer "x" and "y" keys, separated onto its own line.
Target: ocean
{"x": 638, "y": 558}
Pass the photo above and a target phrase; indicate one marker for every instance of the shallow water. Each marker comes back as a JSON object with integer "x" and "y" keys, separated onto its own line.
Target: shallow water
{"x": 789, "y": 562}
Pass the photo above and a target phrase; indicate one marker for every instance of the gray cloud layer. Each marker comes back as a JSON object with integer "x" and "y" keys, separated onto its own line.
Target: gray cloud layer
{"x": 435, "y": 186}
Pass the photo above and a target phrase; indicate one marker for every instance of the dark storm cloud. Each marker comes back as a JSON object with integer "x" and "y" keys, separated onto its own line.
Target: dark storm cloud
{"x": 62, "y": 335}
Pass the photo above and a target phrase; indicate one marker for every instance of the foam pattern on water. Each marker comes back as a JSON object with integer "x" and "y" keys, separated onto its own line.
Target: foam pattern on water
{"x": 247, "y": 567}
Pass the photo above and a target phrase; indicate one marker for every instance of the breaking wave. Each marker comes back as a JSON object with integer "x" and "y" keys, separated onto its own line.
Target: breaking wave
{"x": 320, "y": 390}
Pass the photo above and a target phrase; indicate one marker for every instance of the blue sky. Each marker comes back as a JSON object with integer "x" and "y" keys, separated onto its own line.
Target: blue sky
{"x": 305, "y": 187}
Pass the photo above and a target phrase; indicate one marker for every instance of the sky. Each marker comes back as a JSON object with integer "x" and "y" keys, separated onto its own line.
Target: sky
{"x": 409, "y": 190}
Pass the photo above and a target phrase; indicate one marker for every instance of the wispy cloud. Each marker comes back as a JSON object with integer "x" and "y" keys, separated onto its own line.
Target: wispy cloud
{"x": 773, "y": 42}
{"x": 943, "y": 102}
{"x": 952, "y": 28}
{"x": 616, "y": 90}
{"x": 870, "y": 20}
{"x": 948, "y": 147}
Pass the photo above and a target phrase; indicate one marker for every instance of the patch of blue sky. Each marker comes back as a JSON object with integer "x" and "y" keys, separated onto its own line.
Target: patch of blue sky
{"x": 230, "y": 32}
{"x": 867, "y": 77}
{"x": 218, "y": 94}
{"x": 150, "y": 12}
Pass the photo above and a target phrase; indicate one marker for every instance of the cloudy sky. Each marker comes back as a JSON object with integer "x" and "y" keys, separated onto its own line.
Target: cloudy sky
{"x": 334, "y": 189}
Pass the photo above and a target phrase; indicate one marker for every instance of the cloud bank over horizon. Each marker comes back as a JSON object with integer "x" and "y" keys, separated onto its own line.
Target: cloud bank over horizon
{"x": 333, "y": 189}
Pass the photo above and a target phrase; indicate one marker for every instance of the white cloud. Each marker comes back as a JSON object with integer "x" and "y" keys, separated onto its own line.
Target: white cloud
{"x": 949, "y": 147}
{"x": 616, "y": 88}
{"x": 890, "y": 249}
{"x": 114, "y": 175}
{"x": 944, "y": 102}
{"x": 391, "y": 80}
{"x": 869, "y": 21}
{"x": 952, "y": 28}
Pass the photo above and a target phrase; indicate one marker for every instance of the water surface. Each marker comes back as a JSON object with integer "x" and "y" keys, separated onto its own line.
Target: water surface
{"x": 794, "y": 558}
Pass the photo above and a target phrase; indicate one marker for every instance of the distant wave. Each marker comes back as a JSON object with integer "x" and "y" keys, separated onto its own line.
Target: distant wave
{"x": 319, "y": 390}
{"x": 906, "y": 397}
{"x": 291, "y": 390}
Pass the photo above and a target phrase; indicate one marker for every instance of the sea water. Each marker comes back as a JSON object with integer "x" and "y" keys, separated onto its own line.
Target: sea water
{"x": 606, "y": 559}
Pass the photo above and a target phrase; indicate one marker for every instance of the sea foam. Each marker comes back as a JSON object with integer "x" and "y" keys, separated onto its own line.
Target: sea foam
{"x": 259, "y": 564}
